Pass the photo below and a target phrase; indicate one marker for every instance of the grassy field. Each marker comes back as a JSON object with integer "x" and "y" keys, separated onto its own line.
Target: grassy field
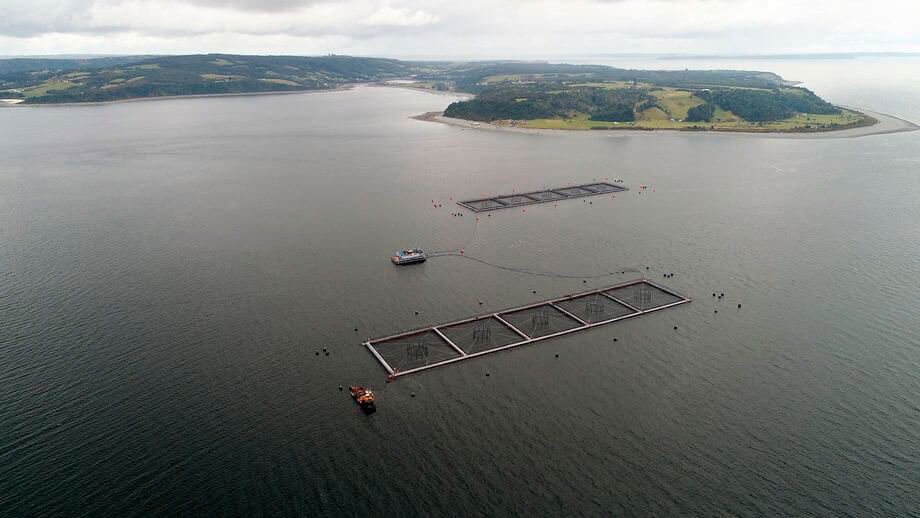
{"x": 424, "y": 85}
{"x": 48, "y": 86}
{"x": 676, "y": 102}
{"x": 512, "y": 77}
{"x": 654, "y": 114}
{"x": 728, "y": 122}
{"x": 609, "y": 85}
{"x": 219, "y": 77}
{"x": 721, "y": 115}
{"x": 280, "y": 82}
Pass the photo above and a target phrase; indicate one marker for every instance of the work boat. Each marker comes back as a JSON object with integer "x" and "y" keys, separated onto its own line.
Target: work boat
{"x": 415, "y": 255}
{"x": 364, "y": 397}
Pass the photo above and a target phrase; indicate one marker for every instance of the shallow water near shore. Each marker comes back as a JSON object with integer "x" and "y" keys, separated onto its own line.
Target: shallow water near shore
{"x": 171, "y": 270}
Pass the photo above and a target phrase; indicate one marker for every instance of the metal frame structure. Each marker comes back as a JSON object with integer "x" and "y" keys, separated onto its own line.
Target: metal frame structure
{"x": 525, "y": 338}
{"x": 531, "y": 198}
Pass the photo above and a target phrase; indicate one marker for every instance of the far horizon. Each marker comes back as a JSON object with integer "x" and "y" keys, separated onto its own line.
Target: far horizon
{"x": 487, "y": 30}
{"x": 551, "y": 58}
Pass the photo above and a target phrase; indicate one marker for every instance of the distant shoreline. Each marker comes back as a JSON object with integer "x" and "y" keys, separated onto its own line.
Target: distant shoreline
{"x": 342, "y": 88}
{"x": 884, "y": 124}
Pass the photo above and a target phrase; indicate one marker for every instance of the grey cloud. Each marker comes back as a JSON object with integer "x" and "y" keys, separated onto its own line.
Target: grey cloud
{"x": 269, "y": 6}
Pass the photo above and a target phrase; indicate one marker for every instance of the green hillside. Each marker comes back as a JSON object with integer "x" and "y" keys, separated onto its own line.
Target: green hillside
{"x": 524, "y": 94}
{"x": 195, "y": 75}
{"x": 701, "y": 100}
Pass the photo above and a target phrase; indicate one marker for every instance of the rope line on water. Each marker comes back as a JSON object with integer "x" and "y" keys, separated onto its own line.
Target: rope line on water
{"x": 458, "y": 252}
{"x": 437, "y": 253}
{"x": 528, "y": 271}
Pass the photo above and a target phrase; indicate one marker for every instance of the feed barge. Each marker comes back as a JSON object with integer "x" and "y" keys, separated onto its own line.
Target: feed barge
{"x": 413, "y": 255}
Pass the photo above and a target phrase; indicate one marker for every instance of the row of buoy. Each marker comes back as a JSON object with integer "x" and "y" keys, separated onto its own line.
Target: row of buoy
{"x": 721, "y": 295}
{"x": 316, "y": 353}
{"x": 666, "y": 275}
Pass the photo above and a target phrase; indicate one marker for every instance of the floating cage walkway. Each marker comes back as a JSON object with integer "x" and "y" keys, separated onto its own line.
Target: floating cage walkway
{"x": 450, "y": 342}
{"x": 503, "y": 201}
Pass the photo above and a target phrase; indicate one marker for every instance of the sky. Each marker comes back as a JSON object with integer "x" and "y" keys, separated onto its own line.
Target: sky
{"x": 467, "y": 29}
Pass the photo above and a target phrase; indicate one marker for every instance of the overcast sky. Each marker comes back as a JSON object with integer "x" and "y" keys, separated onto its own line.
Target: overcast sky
{"x": 457, "y": 28}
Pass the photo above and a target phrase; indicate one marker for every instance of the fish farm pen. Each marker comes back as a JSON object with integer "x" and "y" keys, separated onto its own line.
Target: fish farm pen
{"x": 504, "y": 201}
{"x": 450, "y": 342}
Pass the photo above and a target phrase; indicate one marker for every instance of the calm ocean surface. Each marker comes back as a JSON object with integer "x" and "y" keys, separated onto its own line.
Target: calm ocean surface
{"x": 169, "y": 269}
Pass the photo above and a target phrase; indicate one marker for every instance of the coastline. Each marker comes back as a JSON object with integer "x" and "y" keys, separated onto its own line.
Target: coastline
{"x": 886, "y": 124}
{"x": 343, "y": 88}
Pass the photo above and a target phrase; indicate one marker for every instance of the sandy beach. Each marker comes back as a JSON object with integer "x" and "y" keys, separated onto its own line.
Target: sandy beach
{"x": 886, "y": 124}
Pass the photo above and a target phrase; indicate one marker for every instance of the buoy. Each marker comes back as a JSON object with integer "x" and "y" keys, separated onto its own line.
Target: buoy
{"x": 675, "y": 328}
{"x": 356, "y": 329}
{"x": 534, "y": 291}
{"x": 324, "y": 349}
{"x": 480, "y": 303}
{"x": 416, "y": 312}
{"x": 557, "y": 355}
{"x": 317, "y": 352}
{"x": 646, "y": 267}
{"x": 584, "y": 282}
{"x": 614, "y": 339}
{"x": 413, "y": 394}
{"x": 739, "y": 305}
{"x": 488, "y": 374}
{"x": 715, "y": 311}
{"x": 713, "y": 294}
{"x": 327, "y": 353}
{"x": 340, "y": 387}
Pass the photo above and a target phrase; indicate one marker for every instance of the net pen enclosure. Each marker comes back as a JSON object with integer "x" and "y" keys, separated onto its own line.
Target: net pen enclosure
{"x": 417, "y": 350}
{"x": 504, "y": 201}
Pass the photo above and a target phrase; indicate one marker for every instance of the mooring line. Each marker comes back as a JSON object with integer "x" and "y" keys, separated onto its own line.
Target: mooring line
{"x": 527, "y": 271}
